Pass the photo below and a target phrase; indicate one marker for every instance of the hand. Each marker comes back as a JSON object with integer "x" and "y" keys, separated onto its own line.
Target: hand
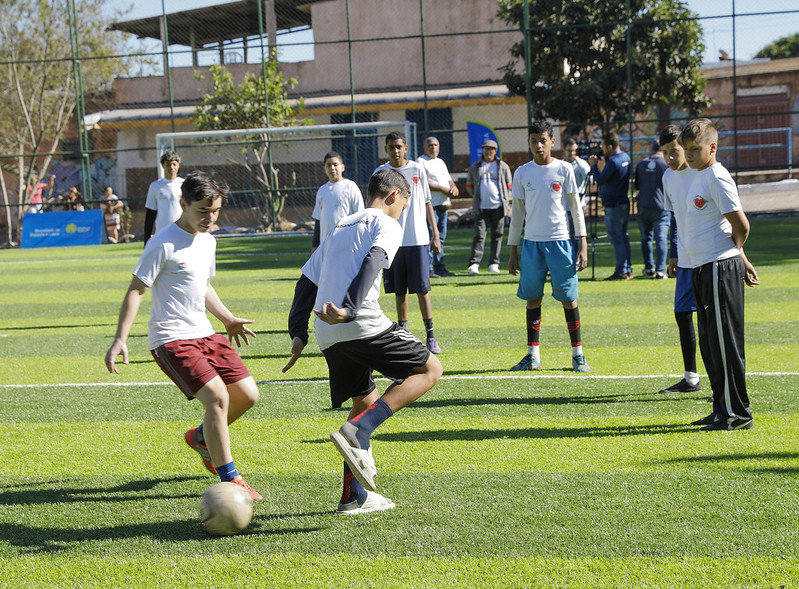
{"x": 435, "y": 243}
{"x": 237, "y": 327}
{"x": 296, "y": 351}
{"x": 117, "y": 348}
{"x": 582, "y": 261}
{"x": 453, "y": 191}
{"x": 331, "y": 314}
{"x": 750, "y": 277}
{"x": 592, "y": 160}
{"x": 673, "y": 267}
{"x": 513, "y": 265}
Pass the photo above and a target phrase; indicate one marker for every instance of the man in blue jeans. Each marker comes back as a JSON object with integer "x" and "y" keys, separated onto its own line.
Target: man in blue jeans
{"x": 612, "y": 174}
{"x": 653, "y": 220}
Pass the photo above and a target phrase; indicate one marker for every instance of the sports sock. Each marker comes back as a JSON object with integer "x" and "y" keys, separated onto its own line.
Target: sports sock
{"x": 428, "y": 325}
{"x": 692, "y": 378}
{"x": 227, "y": 472}
{"x": 573, "y": 325}
{"x": 403, "y": 324}
{"x": 533, "y": 326}
{"x": 200, "y": 437}
{"x": 368, "y": 421}
{"x": 353, "y": 490}
{"x": 685, "y": 325}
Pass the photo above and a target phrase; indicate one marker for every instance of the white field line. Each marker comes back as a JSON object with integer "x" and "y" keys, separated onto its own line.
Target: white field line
{"x": 445, "y": 377}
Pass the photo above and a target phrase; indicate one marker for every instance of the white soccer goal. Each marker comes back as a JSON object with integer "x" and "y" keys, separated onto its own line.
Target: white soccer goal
{"x": 273, "y": 173}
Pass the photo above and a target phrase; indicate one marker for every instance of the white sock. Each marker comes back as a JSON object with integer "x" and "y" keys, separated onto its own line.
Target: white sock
{"x": 692, "y": 378}
{"x": 535, "y": 352}
{"x": 577, "y": 350}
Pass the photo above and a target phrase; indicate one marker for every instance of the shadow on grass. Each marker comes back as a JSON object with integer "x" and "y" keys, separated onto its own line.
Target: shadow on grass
{"x": 554, "y": 400}
{"x": 45, "y": 539}
{"x": 51, "y": 326}
{"x": 743, "y": 458}
{"x": 471, "y": 435}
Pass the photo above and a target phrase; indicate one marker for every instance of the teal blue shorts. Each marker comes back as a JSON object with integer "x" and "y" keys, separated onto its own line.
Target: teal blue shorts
{"x": 555, "y": 257}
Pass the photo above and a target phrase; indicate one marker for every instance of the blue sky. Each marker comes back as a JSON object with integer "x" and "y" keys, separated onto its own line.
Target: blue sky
{"x": 752, "y": 29}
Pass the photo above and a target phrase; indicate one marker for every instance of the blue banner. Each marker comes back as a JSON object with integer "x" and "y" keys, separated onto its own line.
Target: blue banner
{"x": 479, "y": 132}
{"x": 62, "y": 228}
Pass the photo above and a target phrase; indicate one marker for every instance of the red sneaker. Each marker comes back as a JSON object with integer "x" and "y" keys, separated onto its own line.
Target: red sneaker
{"x": 242, "y": 483}
{"x": 201, "y": 449}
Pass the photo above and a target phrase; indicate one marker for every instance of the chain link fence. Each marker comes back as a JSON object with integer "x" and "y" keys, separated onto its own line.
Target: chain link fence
{"x": 86, "y": 88}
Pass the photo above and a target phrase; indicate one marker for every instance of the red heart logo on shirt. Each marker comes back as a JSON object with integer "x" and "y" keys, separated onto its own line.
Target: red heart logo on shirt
{"x": 699, "y": 202}
{"x": 556, "y": 186}
{"x": 416, "y": 179}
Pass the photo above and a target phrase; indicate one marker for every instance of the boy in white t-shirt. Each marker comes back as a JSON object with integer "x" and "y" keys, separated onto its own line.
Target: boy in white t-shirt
{"x": 162, "y": 206}
{"x": 543, "y": 190}
{"x": 677, "y": 181}
{"x": 355, "y": 335}
{"x": 410, "y": 272}
{"x": 178, "y": 263}
{"x": 111, "y": 207}
{"x": 337, "y": 198}
{"x": 714, "y": 234}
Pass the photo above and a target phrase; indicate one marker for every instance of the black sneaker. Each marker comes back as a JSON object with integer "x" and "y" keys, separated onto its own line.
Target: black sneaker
{"x": 444, "y": 272}
{"x": 617, "y": 276}
{"x": 434, "y": 275}
{"x": 709, "y": 420}
{"x": 682, "y": 387}
{"x": 728, "y": 426}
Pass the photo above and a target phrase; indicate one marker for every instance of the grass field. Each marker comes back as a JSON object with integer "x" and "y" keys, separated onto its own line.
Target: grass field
{"x": 550, "y": 479}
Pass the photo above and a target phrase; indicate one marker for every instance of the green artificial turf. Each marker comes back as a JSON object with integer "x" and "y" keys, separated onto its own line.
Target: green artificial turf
{"x": 545, "y": 479}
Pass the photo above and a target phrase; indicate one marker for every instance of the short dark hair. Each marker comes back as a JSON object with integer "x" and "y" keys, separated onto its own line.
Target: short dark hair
{"x": 569, "y": 142}
{"x": 331, "y": 155}
{"x": 384, "y": 181}
{"x": 669, "y": 133}
{"x": 169, "y": 156}
{"x": 611, "y": 138}
{"x": 394, "y": 135}
{"x": 700, "y": 131}
{"x": 198, "y": 186}
{"x": 540, "y": 126}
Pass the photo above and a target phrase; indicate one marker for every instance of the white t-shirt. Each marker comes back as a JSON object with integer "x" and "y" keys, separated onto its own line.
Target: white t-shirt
{"x": 335, "y": 200}
{"x": 540, "y": 201}
{"x": 708, "y": 234}
{"x": 437, "y": 173}
{"x": 163, "y": 196}
{"x": 582, "y": 169}
{"x": 177, "y": 265}
{"x": 414, "y": 218}
{"x": 336, "y": 263}
{"x": 490, "y": 198}
{"x": 676, "y": 186}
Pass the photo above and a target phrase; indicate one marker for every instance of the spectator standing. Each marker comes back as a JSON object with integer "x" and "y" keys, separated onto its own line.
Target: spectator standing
{"x": 335, "y": 199}
{"x": 111, "y": 207}
{"x": 653, "y": 219}
{"x": 37, "y": 192}
{"x": 442, "y": 188}
{"x": 162, "y": 206}
{"x": 489, "y": 183}
{"x": 612, "y": 174}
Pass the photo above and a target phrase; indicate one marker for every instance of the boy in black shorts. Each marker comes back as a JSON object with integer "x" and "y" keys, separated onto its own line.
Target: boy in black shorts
{"x": 341, "y": 284}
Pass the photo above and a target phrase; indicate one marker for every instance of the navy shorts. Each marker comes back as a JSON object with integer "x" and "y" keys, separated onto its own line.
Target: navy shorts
{"x": 395, "y": 353}
{"x": 537, "y": 258}
{"x": 683, "y": 293}
{"x": 410, "y": 272}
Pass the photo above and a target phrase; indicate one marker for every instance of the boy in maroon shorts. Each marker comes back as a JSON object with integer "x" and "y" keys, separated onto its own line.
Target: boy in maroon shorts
{"x": 178, "y": 264}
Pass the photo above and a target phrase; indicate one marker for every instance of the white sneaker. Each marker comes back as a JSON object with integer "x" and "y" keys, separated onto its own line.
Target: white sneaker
{"x": 474, "y": 269}
{"x": 361, "y": 462}
{"x": 493, "y": 268}
{"x": 374, "y": 502}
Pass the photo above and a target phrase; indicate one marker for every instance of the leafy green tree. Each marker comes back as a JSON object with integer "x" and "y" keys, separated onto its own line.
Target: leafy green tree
{"x": 251, "y": 106}
{"x": 37, "y": 84}
{"x": 782, "y": 47}
{"x": 579, "y": 53}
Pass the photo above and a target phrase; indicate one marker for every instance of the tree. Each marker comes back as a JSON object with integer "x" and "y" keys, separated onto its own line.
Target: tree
{"x": 579, "y": 53}
{"x": 251, "y": 106}
{"x": 37, "y": 84}
{"x": 782, "y": 47}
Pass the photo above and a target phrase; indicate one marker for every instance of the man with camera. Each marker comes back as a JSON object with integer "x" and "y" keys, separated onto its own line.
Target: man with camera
{"x": 612, "y": 174}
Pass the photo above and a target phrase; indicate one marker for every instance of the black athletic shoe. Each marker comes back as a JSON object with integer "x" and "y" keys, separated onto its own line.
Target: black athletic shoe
{"x": 444, "y": 272}
{"x": 709, "y": 420}
{"x": 617, "y": 276}
{"x": 728, "y": 426}
{"x": 682, "y": 387}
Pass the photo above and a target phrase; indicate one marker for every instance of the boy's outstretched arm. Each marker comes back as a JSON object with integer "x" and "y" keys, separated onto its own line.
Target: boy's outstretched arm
{"x": 235, "y": 326}
{"x": 127, "y": 314}
{"x": 301, "y": 307}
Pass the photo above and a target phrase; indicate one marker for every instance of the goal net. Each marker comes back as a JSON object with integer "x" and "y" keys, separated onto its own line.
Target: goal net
{"x": 274, "y": 173}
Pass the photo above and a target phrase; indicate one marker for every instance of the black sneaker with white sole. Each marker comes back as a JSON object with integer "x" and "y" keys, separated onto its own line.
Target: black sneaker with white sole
{"x": 682, "y": 387}
{"x": 724, "y": 425}
{"x": 709, "y": 420}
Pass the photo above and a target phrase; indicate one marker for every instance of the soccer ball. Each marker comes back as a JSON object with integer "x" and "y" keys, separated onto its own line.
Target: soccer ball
{"x": 225, "y": 509}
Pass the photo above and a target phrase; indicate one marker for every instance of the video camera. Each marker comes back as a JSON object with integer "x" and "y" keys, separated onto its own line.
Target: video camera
{"x": 586, "y": 149}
